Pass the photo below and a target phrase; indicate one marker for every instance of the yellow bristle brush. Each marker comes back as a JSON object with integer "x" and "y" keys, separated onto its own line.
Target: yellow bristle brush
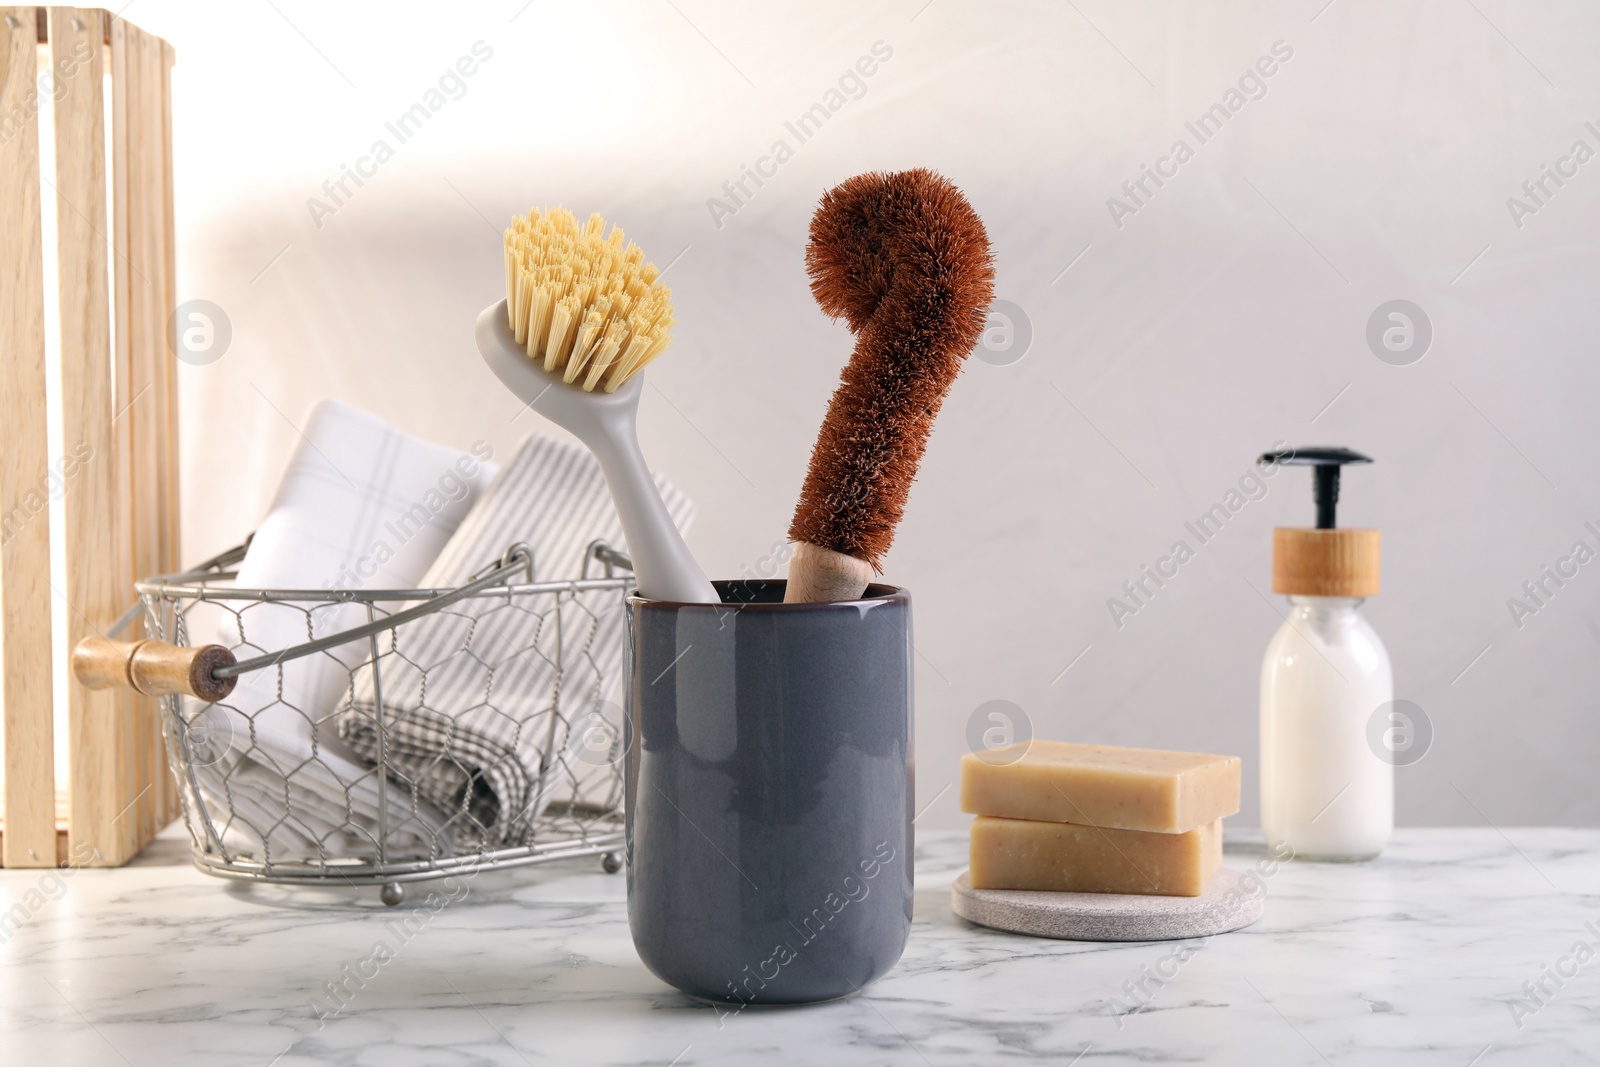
{"x": 583, "y": 315}
{"x": 581, "y": 302}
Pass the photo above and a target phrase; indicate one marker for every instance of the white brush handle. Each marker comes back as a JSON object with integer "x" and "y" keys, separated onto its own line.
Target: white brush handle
{"x": 662, "y": 564}
{"x": 606, "y": 423}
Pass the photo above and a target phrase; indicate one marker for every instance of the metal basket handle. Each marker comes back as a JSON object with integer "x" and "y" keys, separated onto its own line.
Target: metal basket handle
{"x": 210, "y": 672}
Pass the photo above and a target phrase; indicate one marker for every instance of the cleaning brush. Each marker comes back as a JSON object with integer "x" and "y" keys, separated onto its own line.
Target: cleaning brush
{"x": 905, "y": 261}
{"x": 583, "y": 303}
{"x": 582, "y": 316}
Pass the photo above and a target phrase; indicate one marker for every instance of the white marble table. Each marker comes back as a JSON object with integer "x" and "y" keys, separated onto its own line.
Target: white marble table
{"x": 1415, "y": 958}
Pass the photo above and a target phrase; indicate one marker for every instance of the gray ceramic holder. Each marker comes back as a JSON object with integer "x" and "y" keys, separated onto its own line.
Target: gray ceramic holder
{"x": 769, "y": 792}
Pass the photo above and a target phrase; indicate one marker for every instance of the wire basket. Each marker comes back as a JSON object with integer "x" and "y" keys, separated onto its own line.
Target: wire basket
{"x": 473, "y": 729}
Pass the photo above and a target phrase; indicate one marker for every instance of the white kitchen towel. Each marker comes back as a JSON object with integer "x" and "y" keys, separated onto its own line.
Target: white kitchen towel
{"x": 468, "y": 694}
{"x": 362, "y": 505}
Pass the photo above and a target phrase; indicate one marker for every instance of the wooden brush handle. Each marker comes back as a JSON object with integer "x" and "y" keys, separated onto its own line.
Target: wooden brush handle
{"x": 153, "y": 668}
{"x": 818, "y": 575}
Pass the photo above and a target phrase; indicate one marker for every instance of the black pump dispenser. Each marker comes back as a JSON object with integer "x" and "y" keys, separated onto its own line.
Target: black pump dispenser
{"x": 1326, "y": 461}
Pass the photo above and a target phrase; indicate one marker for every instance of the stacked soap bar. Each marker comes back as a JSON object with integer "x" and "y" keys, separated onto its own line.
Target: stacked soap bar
{"x": 1097, "y": 819}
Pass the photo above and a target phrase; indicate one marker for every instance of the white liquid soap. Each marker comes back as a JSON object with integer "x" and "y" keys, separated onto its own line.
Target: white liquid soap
{"x": 1323, "y": 791}
{"x": 1326, "y": 793}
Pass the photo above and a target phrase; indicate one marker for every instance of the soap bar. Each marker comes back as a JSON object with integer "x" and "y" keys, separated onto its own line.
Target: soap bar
{"x": 1100, "y": 785}
{"x": 1063, "y": 858}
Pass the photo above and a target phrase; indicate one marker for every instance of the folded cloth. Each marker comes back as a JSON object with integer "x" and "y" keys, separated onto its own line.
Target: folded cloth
{"x": 325, "y": 808}
{"x": 471, "y": 706}
{"x": 361, "y": 506}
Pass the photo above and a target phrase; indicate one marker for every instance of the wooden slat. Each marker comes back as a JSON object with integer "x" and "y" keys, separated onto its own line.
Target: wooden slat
{"x": 146, "y": 242}
{"x": 97, "y": 731}
{"x": 102, "y": 22}
{"x": 25, "y": 638}
{"x": 168, "y": 806}
{"x": 171, "y": 551}
{"x": 123, "y": 280}
{"x": 142, "y": 396}
{"x": 62, "y": 853}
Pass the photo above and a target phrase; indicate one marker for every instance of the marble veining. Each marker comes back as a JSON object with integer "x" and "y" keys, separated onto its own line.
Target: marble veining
{"x": 1457, "y": 947}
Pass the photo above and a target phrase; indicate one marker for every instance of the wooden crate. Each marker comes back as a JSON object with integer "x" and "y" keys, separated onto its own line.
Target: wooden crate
{"x": 118, "y": 390}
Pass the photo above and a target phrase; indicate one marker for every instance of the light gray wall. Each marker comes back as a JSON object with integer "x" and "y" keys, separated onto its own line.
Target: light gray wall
{"x": 1227, "y": 313}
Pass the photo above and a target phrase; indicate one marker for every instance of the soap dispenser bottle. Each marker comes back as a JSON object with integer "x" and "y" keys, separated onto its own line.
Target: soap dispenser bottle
{"x": 1325, "y": 793}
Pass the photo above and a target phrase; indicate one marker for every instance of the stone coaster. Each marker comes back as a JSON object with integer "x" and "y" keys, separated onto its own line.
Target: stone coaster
{"x": 1231, "y": 902}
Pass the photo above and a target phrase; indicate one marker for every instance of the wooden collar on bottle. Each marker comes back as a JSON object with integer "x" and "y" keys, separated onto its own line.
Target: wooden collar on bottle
{"x": 1339, "y": 562}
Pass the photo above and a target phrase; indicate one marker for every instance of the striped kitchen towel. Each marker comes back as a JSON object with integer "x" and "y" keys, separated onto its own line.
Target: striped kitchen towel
{"x": 474, "y": 719}
{"x": 362, "y": 505}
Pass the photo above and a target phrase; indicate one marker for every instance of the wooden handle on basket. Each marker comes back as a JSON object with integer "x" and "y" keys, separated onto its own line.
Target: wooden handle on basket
{"x": 153, "y": 667}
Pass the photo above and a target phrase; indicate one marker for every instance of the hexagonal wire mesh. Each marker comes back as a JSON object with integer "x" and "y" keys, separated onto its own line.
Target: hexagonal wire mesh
{"x": 385, "y": 736}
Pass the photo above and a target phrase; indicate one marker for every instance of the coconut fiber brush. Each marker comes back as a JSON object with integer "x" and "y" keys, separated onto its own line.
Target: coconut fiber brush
{"x": 905, "y": 261}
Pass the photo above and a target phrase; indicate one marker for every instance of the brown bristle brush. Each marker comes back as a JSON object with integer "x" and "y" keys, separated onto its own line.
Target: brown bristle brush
{"x": 905, "y": 261}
